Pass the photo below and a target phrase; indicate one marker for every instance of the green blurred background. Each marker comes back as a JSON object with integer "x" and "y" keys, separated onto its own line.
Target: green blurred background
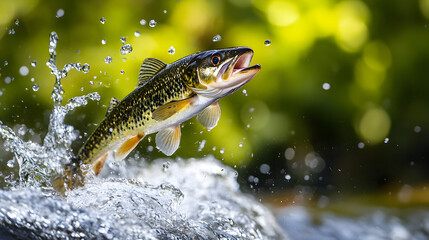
{"x": 340, "y": 106}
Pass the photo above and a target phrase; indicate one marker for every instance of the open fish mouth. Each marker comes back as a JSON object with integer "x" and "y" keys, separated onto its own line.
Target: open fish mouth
{"x": 238, "y": 71}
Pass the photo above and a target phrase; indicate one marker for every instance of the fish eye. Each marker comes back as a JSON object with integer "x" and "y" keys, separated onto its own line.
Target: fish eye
{"x": 216, "y": 60}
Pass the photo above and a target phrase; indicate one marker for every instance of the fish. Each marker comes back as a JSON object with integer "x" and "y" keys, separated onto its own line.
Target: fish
{"x": 166, "y": 95}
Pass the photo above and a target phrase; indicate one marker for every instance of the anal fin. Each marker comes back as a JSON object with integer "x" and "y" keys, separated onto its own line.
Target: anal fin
{"x": 128, "y": 146}
{"x": 168, "y": 140}
{"x": 210, "y": 115}
{"x": 99, "y": 163}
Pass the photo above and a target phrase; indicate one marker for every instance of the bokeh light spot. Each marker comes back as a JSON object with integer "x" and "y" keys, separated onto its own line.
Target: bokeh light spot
{"x": 282, "y": 13}
{"x": 377, "y": 55}
{"x": 424, "y": 7}
{"x": 368, "y": 78}
{"x": 374, "y": 125}
{"x": 352, "y": 34}
{"x": 289, "y": 153}
{"x": 352, "y": 30}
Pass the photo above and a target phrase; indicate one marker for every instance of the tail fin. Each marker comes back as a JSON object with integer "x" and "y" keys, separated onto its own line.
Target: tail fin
{"x": 58, "y": 184}
{"x": 71, "y": 179}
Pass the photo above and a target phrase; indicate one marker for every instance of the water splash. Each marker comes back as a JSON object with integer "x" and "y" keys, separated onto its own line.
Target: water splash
{"x": 38, "y": 163}
{"x": 207, "y": 205}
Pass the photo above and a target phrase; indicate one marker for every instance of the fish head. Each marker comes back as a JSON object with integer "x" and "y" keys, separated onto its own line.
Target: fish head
{"x": 218, "y": 73}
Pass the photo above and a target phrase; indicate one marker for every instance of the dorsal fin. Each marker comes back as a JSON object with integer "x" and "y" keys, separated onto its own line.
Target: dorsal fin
{"x": 149, "y": 68}
{"x": 113, "y": 103}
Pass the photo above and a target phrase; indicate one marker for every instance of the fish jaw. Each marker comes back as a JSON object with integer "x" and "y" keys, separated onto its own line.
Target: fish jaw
{"x": 232, "y": 76}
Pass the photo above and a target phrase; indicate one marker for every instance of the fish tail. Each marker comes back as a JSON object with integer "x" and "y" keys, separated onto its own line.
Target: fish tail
{"x": 72, "y": 177}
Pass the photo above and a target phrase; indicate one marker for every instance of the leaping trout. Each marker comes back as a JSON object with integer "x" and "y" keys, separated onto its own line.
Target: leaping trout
{"x": 166, "y": 96}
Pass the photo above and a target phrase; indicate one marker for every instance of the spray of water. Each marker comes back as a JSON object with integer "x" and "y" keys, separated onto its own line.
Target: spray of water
{"x": 38, "y": 163}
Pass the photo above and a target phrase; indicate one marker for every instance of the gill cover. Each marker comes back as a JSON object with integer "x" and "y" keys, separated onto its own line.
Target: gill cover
{"x": 218, "y": 73}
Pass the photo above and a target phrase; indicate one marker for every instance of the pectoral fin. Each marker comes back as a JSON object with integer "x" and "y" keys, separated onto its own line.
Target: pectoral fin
{"x": 167, "y": 110}
{"x": 168, "y": 140}
{"x": 127, "y": 147}
{"x": 99, "y": 163}
{"x": 210, "y": 115}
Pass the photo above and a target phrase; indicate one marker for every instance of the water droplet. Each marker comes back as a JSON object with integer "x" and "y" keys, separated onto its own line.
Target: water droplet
{"x": 289, "y": 153}
{"x": 217, "y": 38}
{"x": 125, "y": 49}
{"x": 31, "y": 79}
{"x": 103, "y": 41}
{"x": 361, "y": 145}
{"x": 123, "y": 40}
{"x": 1, "y": 93}
{"x": 326, "y": 86}
{"x": 5, "y": 63}
{"x": 264, "y": 168}
{"x": 222, "y": 150}
{"x": 17, "y": 22}
{"x": 11, "y": 31}
{"x": 33, "y": 63}
{"x": 10, "y": 163}
{"x": 248, "y": 125}
{"x": 23, "y": 70}
{"x": 149, "y": 148}
{"x": 142, "y": 22}
{"x": 251, "y": 110}
{"x": 214, "y": 148}
{"x": 171, "y": 50}
{"x": 35, "y": 87}
{"x": 201, "y": 146}
{"x": 102, "y": 20}
{"x": 240, "y": 144}
{"x": 306, "y": 177}
{"x": 110, "y": 129}
{"x": 7, "y": 80}
{"x": 152, "y": 23}
{"x": 165, "y": 166}
{"x": 244, "y": 92}
{"x": 91, "y": 82}
{"x": 137, "y": 34}
{"x": 85, "y": 68}
{"x": 417, "y": 129}
{"x": 60, "y": 13}
{"x": 22, "y": 130}
{"x": 149, "y": 139}
{"x": 267, "y": 42}
{"x": 122, "y": 72}
{"x": 108, "y": 59}
{"x": 386, "y": 140}
{"x": 165, "y": 11}
{"x": 287, "y": 177}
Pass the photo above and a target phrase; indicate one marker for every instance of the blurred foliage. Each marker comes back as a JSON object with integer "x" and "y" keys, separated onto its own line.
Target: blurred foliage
{"x": 340, "y": 104}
